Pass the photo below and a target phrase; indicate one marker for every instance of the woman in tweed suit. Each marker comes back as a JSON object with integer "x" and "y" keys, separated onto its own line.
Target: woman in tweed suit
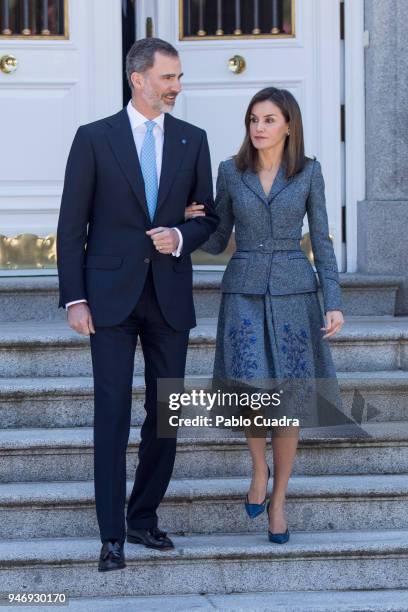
{"x": 271, "y": 325}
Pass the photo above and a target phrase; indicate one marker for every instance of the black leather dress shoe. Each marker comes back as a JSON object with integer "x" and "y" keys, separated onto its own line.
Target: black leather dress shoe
{"x": 151, "y": 538}
{"x": 112, "y": 556}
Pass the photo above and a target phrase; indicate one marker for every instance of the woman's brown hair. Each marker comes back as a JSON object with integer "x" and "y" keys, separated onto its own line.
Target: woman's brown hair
{"x": 293, "y": 159}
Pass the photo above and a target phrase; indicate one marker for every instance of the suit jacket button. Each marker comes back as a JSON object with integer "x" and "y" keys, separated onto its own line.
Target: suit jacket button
{"x": 147, "y": 260}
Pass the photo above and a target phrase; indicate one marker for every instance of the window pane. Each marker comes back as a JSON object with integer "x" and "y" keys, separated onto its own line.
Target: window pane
{"x": 219, "y": 18}
{"x": 33, "y": 18}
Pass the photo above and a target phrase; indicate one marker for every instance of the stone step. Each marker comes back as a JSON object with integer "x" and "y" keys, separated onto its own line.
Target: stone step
{"x": 238, "y": 563}
{"x": 36, "y": 297}
{"x": 211, "y": 505}
{"x": 389, "y": 600}
{"x": 67, "y": 453}
{"x": 35, "y": 349}
{"x": 67, "y": 401}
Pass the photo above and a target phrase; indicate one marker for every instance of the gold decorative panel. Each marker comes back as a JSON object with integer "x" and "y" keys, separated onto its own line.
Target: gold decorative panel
{"x": 36, "y": 19}
{"x": 231, "y": 19}
{"x": 27, "y": 251}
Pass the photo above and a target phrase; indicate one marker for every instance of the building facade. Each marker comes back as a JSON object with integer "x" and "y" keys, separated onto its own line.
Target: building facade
{"x": 62, "y": 65}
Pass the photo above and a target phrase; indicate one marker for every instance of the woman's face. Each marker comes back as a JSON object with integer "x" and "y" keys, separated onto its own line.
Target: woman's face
{"x": 267, "y": 125}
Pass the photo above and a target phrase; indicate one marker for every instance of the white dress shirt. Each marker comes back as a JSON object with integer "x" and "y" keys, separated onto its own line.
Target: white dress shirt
{"x": 137, "y": 123}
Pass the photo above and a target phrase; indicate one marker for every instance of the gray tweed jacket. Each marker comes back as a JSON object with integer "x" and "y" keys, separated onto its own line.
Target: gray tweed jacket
{"x": 268, "y": 230}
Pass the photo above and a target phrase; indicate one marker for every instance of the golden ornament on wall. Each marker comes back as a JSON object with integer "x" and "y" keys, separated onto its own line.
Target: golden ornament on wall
{"x": 28, "y": 251}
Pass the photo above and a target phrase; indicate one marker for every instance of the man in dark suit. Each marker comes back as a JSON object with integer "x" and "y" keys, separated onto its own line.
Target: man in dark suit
{"x": 125, "y": 271}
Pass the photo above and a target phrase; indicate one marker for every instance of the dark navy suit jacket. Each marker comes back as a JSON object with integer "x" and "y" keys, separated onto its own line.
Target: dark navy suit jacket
{"x": 103, "y": 252}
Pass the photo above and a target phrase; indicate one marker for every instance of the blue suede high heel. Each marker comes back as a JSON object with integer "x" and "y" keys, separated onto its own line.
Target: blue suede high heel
{"x": 278, "y": 538}
{"x": 254, "y": 510}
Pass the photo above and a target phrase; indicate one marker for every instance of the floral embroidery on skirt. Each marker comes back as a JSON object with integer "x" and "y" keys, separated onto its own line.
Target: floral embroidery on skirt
{"x": 269, "y": 342}
{"x": 242, "y": 340}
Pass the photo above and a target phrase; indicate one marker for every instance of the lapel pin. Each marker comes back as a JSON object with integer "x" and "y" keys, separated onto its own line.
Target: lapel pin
{"x": 183, "y": 141}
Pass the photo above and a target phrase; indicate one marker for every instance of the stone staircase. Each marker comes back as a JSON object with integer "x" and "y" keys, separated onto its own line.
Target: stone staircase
{"x": 347, "y": 498}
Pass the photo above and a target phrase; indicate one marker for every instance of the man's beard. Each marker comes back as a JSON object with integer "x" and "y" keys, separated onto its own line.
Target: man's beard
{"x": 160, "y": 104}
{"x": 166, "y": 107}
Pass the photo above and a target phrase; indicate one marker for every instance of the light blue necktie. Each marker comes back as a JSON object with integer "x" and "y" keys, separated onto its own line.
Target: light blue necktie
{"x": 149, "y": 168}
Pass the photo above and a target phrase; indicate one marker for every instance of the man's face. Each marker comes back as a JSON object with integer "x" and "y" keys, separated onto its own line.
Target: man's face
{"x": 160, "y": 85}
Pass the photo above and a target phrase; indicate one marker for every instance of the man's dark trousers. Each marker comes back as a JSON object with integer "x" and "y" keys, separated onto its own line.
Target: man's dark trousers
{"x": 113, "y": 351}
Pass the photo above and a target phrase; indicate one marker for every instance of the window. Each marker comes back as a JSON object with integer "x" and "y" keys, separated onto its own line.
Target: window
{"x": 33, "y": 19}
{"x": 215, "y": 19}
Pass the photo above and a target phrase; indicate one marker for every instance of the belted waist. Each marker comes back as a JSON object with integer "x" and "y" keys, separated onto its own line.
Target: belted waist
{"x": 268, "y": 245}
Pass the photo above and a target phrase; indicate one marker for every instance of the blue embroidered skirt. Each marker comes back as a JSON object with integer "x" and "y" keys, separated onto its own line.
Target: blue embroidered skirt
{"x": 275, "y": 342}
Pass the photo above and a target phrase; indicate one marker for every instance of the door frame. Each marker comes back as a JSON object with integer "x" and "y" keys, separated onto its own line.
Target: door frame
{"x": 356, "y": 39}
{"x": 329, "y": 82}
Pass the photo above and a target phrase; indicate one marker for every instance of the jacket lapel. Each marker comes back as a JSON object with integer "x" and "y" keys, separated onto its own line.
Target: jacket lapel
{"x": 251, "y": 180}
{"x": 123, "y": 145}
{"x": 280, "y": 183}
{"x": 174, "y": 148}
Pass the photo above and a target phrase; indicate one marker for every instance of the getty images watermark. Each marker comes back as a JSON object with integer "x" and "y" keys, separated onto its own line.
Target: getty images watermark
{"x": 220, "y": 400}
{"x": 205, "y": 404}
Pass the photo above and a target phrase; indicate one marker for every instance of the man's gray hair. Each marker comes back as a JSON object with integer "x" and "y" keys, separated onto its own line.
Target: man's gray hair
{"x": 140, "y": 56}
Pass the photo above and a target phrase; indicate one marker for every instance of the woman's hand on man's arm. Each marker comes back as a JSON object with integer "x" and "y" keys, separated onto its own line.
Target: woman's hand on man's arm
{"x": 194, "y": 210}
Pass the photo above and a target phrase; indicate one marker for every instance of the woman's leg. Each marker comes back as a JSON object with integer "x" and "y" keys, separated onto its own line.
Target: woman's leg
{"x": 257, "y": 490}
{"x": 284, "y": 445}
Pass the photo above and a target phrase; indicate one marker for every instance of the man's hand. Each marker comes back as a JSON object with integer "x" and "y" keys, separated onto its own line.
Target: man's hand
{"x": 165, "y": 239}
{"x": 79, "y": 318}
{"x": 334, "y": 322}
{"x": 194, "y": 210}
